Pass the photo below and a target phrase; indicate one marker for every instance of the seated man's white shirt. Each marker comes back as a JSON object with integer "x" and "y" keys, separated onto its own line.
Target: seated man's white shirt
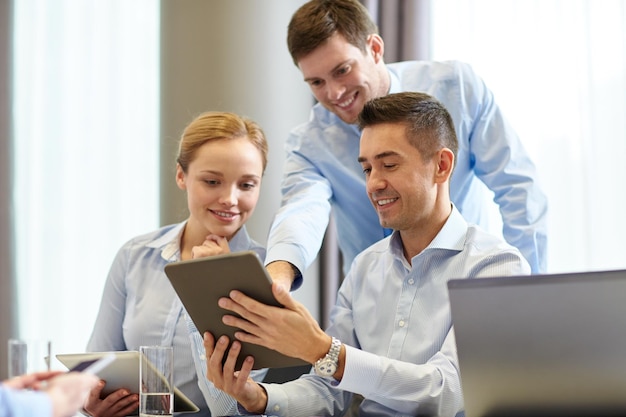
{"x": 394, "y": 319}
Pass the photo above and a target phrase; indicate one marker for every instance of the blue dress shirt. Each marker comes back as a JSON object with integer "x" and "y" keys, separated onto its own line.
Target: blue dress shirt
{"x": 140, "y": 307}
{"x": 24, "y": 403}
{"x": 394, "y": 319}
{"x": 322, "y": 172}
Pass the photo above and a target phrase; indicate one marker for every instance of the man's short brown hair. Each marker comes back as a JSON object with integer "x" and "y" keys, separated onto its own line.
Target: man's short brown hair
{"x": 316, "y": 21}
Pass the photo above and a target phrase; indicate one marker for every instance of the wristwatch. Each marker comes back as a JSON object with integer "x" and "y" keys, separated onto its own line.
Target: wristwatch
{"x": 327, "y": 366}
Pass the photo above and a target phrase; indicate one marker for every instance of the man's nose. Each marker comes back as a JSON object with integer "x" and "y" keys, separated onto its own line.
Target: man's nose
{"x": 375, "y": 182}
{"x": 335, "y": 90}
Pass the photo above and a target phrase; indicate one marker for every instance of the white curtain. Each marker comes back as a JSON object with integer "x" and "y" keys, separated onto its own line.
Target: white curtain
{"x": 86, "y": 117}
{"x": 558, "y": 70}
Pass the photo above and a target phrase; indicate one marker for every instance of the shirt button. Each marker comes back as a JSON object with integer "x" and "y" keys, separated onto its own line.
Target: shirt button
{"x": 277, "y": 408}
{"x": 401, "y": 323}
{"x": 411, "y": 281}
{"x": 203, "y": 358}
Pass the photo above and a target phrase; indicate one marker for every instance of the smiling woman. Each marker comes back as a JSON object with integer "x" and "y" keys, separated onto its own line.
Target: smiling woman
{"x": 221, "y": 160}
{"x": 85, "y": 153}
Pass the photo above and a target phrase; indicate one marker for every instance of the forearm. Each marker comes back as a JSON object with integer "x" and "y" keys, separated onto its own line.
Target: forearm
{"x": 283, "y": 272}
{"x": 299, "y": 225}
{"x": 258, "y": 405}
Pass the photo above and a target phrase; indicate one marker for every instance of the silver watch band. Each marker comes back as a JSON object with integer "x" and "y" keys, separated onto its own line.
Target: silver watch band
{"x": 335, "y": 348}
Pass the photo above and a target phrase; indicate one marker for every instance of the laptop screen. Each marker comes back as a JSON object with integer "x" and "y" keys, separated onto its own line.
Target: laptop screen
{"x": 542, "y": 345}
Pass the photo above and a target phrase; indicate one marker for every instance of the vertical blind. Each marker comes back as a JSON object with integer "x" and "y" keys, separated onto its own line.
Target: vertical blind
{"x": 85, "y": 113}
{"x": 558, "y": 70}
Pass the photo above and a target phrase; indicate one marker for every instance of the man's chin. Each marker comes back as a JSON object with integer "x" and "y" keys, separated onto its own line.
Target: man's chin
{"x": 346, "y": 117}
{"x": 384, "y": 222}
{"x": 349, "y": 119}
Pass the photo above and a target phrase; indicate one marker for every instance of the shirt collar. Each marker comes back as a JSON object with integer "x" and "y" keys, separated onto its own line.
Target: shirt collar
{"x": 450, "y": 237}
{"x": 394, "y": 83}
{"x": 241, "y": 240}
{"x": 170, "y": 242}
{"x": 452, "y": 234}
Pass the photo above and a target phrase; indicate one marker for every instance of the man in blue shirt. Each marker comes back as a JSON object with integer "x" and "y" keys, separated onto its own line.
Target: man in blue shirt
{"x": 337, "y": 48}
{"x": 390, "y": 337}
{"x": 45, "y": 394}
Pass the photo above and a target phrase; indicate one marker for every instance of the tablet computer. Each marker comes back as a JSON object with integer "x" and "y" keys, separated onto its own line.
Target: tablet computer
{"x": 200, "y": 283}
{"x": 123, "y": 372}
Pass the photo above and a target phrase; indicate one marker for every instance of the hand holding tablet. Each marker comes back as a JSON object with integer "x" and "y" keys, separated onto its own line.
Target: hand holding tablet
{"x": 200, "y": 283}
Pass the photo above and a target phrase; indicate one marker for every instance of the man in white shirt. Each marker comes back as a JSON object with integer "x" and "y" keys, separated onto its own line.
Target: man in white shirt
{"x": 390, "y": 337}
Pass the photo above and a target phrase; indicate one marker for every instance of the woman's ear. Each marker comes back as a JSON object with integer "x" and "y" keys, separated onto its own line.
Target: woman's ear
{"x": 180, "y": 177}
{"x": 445, "y": 165}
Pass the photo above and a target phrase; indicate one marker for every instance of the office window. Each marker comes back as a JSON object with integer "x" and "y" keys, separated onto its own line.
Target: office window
{"x": 86, "y": 140}
{"x": 558, "y": 70}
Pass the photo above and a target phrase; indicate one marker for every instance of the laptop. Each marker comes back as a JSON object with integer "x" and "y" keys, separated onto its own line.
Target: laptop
{"x": 544, "y": 345}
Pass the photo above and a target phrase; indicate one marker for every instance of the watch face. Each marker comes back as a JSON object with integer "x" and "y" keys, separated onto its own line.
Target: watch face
{"x": 326, "y": 368}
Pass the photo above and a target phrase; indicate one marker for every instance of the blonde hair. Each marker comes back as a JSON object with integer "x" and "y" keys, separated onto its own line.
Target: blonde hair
{"x": 214, "y": 125}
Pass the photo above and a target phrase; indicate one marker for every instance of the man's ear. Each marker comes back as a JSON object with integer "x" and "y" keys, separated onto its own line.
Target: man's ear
{"x": 376, "y": 46}
{"x": 445, "y": 165}
{"x": 180, "y": 177}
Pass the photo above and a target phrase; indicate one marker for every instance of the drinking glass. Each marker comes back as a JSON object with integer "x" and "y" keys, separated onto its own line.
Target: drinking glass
{"x": 156, "y": 373}
{"x": 27, "y": 356}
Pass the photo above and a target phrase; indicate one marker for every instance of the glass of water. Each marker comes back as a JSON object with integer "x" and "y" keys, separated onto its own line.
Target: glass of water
{"x": 26, "y": 356}
{"x": 156, "y": 375}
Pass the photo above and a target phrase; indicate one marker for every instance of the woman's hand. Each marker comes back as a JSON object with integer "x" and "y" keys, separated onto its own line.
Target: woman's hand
{"x": 119, "y": 403}
{"x": 212, "y": 245}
